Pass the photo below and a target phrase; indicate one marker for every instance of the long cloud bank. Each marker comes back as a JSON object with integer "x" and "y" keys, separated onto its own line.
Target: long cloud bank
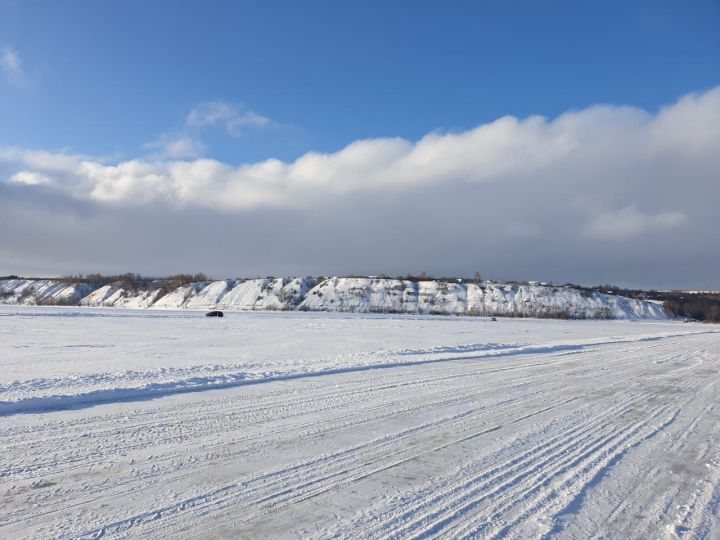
{"x": 604, "y": 193}
{"x": 499, "y": 151}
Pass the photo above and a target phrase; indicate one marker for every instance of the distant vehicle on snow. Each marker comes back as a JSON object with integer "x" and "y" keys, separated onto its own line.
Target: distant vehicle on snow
{"x": 215, "y": 313}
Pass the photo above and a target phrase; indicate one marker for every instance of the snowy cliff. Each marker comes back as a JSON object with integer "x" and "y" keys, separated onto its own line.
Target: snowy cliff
{"x": 485, "y": 299}
{"x": 361, "y": 295}
{"x": 42, "y": 291}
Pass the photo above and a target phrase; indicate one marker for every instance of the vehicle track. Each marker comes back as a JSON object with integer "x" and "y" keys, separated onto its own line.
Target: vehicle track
{"x": 512, "y": 442}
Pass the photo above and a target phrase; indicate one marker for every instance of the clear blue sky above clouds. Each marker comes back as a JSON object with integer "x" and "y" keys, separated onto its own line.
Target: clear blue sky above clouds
{"x": 107, "y": 77}
{"x": 554, "y": 140}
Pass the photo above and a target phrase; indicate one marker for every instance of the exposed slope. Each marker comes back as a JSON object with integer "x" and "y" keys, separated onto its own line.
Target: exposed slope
{"x": 360, "y": 295}
{"x": 366, "y": 295}
{"x": 42, "y": 292}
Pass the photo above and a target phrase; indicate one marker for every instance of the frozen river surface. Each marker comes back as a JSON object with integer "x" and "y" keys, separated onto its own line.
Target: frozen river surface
{"x": 167, "y": 424}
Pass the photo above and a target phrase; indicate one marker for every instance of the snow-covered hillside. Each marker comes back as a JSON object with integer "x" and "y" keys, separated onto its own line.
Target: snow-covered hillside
{"x": 365, "y": 295}
{"x": 360, "y": 295}
{"x": 42, "y": 292}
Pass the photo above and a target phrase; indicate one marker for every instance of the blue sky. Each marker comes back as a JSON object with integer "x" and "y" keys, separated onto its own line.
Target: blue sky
{"x": 106, "y": 78}
{"x": 558, "y": 140}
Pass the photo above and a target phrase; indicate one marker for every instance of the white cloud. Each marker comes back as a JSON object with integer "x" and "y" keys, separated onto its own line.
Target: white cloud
{"x": 603, "y": 154}
{"x": 30, "y": 178}
{"x": 186, "y": 142}
{"x": 41, "y": 160}
{"x": 175, "y": 147}
{"x": 692, "y": 125}
{"x": 629, "y": 223}
{"x": 234, "y": 118}
{"x": 11, "y": 66}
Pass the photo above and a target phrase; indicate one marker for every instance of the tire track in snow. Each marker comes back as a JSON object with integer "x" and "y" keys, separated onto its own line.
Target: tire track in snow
{"x": 424, "y": 404}
{"x": 179, "y": 418}
{"x": 353, "y": 463}
{"x": 487, "y": 392}
{"x": 440, "y": 497}
{"x": 284, "y": 482}
{"x": 304, "y": 495}
{"x": 444, "y": 502}
{"x": 89, "y": 398}
{"x": 694, "y": 456}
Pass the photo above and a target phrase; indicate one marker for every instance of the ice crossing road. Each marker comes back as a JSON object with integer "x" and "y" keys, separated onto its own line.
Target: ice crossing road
{"x": 614, "y": 439}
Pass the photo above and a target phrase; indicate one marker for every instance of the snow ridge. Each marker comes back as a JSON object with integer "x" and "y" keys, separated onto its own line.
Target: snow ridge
{"x": 340, "y": 294}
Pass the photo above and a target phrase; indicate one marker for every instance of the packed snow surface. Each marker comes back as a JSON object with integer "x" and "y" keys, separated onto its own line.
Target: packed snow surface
{"x": 167, "y": 424}
{"x": 356, "y": 295}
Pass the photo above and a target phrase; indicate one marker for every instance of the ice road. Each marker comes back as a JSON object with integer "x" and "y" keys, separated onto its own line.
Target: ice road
{"x": 271, "y": 425}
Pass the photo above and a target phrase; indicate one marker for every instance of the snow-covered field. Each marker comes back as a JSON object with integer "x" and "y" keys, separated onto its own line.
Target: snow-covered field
{"x": 168, "y": 424}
